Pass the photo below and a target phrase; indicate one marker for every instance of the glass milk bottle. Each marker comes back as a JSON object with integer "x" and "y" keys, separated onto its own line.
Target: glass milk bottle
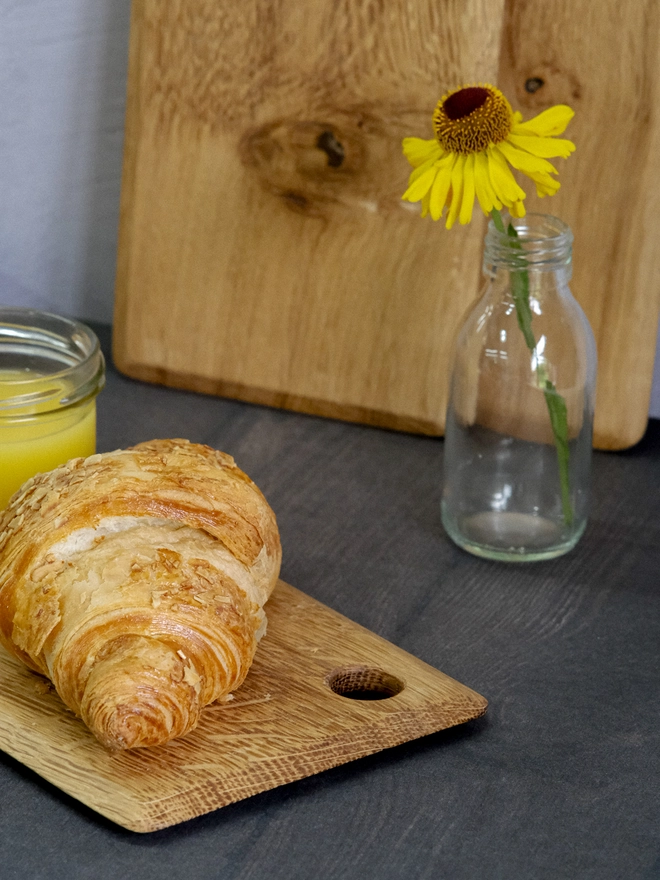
{"x": 518, "y": 434}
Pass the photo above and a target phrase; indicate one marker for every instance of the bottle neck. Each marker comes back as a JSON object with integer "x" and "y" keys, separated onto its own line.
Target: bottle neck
{"x": 542, "y": 243}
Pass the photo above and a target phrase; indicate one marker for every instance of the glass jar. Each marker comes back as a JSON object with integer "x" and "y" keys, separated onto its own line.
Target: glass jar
{"x": 518, "y": 435}
{"x": 51, "y": 370}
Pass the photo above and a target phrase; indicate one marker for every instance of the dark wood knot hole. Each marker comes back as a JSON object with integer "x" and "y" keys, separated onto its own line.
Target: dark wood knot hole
{"x": 533, "y": 84}
{"x": 333, "y": 149}
{"x": 363, "y": 683}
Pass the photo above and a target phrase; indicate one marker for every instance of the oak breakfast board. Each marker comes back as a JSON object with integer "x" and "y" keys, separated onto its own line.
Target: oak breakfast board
{"x": 322, "y": 691}
{"x": 264, "y": 249}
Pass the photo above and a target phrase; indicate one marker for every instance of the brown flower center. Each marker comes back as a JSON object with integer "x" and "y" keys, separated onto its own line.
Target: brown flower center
{"x": 463, "y": 102}
{"x": 470, "y": 119}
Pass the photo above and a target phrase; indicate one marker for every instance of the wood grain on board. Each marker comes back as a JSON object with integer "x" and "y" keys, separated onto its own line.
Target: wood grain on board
{"x": 291, "y": 718}
{"x": 264, "y": 249}
{"x": 603, "y": 60}
{"x": 265, "y": 252}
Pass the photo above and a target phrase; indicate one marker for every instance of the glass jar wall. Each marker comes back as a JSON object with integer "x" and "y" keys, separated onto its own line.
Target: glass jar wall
{"x": 51, "y": 369}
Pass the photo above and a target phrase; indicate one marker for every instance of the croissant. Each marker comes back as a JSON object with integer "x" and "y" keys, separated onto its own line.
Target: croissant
{"x": 135, "y": 581}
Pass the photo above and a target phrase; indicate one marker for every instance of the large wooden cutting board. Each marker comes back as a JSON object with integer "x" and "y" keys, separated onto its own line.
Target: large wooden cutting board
{"x": 264, "y": 250}
{"x": 308, "y": 704}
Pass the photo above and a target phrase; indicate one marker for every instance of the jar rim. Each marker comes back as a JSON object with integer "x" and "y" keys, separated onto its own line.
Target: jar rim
{"x": 47, "y": 362}
{"x": 542, "y": 242}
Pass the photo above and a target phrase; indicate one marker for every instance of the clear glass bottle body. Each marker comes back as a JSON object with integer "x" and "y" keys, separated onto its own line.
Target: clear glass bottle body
{"x": 517, "y": 471}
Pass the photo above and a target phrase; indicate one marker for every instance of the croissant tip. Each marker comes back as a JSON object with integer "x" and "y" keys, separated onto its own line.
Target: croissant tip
{"x": 128, "y": 727}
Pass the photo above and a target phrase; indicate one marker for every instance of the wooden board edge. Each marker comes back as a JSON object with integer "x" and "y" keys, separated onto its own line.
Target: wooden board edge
{"x": 143, "y": 817}
{"x": 147, "y": 817}
{"x": 132, "y": 130}
{"x": 627, "y": 436}
{"x": 266, "y": 397}
{"x": 604, "y": 439}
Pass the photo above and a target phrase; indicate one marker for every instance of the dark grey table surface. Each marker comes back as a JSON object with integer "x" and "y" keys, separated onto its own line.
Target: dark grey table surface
{"x": 560, "y": 778}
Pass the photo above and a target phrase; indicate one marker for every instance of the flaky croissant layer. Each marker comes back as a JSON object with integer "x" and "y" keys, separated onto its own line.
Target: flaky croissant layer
{"x": 135, "y": 580}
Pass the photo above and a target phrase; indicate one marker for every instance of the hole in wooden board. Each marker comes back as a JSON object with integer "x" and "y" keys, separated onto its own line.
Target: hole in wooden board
{"x": 363, "y": 683}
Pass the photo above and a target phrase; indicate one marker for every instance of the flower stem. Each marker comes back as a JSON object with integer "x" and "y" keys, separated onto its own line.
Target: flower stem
{"x": 554, "y": 401}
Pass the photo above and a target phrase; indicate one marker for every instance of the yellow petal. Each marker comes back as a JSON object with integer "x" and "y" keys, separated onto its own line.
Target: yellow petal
{"x": 535, "y": 168}
{"x": 422, "y": 169}
{"x": 467, "y": 202}
{"x": 524, "y": 161}
{"x": 502, "y": 180}
{"x": 517, "y": 209}
{"x": 417, "y": 151}
{"x": 425, "y": 203}
{"x": 419, "y": 187}
{"x": 441, "y": 185}
{"x": 546, "y": 187}
{"x": 545, "y": 147}
{"x": 487, "y": 196}
{"x": 551, "y": 122}
{"x": 456, "y": 191}
{"x": 482, "y": 185}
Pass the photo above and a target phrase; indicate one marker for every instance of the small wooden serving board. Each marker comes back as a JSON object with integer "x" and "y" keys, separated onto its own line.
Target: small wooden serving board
{"x": 286, "y": 721}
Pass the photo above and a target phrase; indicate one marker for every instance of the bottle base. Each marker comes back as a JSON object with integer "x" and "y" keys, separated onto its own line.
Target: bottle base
{"x": 509, "y": 536}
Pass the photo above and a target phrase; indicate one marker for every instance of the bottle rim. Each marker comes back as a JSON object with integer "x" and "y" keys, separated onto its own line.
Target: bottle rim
{"x": 71, "y": 366}
{"x": 542, "y": 242}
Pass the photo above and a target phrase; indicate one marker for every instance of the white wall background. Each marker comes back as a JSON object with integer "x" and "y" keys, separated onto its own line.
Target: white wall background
{"x": 62, "y": 90}
{"x": 62, "y": 97}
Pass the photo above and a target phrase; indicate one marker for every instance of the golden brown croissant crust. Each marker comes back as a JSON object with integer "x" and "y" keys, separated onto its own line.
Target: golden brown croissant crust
{"x": 135, "y": 580}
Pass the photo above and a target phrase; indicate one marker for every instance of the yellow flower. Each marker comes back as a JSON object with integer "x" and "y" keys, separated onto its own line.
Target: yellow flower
{"x": 477, "y": 138}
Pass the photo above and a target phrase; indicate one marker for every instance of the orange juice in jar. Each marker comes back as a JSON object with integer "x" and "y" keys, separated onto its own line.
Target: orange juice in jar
{"x": 51, "y": 369}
